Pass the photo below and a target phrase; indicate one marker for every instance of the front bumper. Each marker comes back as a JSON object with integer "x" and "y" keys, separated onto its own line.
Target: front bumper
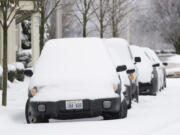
{"x": 144, "y": 87}
{"x": 91, "y": 108}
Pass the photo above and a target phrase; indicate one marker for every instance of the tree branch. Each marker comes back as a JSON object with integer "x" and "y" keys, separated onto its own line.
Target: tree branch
{"x": 55, "y": 6}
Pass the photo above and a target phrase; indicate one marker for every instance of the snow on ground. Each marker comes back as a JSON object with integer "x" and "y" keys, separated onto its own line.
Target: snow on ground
{"x": 152, "y": 116}
{"x": 173, "y": 64}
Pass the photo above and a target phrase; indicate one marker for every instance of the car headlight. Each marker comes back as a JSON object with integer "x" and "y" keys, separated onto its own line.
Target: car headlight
{"x": 33, "y": 92}
{"x": 132, "y": 76}
{"x": 115, "y": 87}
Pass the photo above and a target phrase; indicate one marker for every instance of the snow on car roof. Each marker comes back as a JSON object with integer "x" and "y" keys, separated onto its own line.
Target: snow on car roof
{"x": 73, "y": 60}
{"x": 154, "y": 58}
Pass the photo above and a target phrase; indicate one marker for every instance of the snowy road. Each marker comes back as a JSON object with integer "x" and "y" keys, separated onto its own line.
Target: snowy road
{"x": 158, "y": 115}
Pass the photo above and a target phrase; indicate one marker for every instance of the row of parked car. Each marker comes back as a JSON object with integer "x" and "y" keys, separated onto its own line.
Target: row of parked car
{"x": 89, "y": 77}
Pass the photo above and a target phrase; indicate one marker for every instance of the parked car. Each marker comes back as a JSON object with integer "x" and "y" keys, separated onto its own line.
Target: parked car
{"x": 148, "y": 75}
{"x": 121, "y": 55}
{"x": 75, "y": 78}
{"x": 160, "y": 69}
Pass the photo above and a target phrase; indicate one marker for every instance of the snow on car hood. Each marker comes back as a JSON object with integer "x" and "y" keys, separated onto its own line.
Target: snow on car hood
{"x": 74, "y": 92}
{"x": 64, "y": 63}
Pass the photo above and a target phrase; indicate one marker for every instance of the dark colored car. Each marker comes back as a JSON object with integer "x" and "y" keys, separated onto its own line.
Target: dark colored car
{"x": 75, "y": 78}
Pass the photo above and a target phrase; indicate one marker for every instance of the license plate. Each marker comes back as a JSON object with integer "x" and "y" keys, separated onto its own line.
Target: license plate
{"x": 74, "y": 105}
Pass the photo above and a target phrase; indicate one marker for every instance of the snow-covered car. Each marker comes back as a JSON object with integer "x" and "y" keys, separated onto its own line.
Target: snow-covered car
{"x": 75, "y": 78}
{"x": 148, "y": 75}
{"x": 121, "y": 55}
{"x": 160, "y": 69}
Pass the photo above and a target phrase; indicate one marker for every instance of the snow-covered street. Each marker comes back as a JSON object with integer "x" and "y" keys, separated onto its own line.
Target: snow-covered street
{"x": 154, "y": 115}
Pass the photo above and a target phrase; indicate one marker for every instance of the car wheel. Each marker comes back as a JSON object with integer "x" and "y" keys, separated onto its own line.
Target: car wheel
{"x": 137, "y": 94}
{"x": 32, "y": 119}
{"x": 165, "y": 84}
{"x": 124, "y": 109}
{"x": 129, "y": 97}
{"x": 152, "y": 90}
{"x": 119, "y": 115}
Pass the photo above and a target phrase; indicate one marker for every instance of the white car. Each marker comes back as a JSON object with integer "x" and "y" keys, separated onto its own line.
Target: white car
{"x": 148, "y": 76}
{"x": 121, "y": 55}
{"x": 161, "y": 68}
{"x": 75, "y": 78}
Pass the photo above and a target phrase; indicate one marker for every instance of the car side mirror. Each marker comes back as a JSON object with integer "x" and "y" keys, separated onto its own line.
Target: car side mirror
{"x": 165, "y": 63}
{"x": 130, "y": 71}
{"x": 28, "y": 72}
{"x": 121, "y": 68}
{"x": 137, "y": 59}
{"x": 156, "y": 65}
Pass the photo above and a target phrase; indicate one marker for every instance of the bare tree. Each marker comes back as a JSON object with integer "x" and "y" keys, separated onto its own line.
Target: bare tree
{"x": 168, "y": 12}
{"x": 119, "y": 9}
{"x": 102, "y": 8}
{"x": 45, "y": 12}
{"x": 83, "y": 12}
{"x": 8, "y": 9}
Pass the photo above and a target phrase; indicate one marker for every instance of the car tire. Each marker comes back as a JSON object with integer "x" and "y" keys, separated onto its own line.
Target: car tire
{"x": 136, "y": 95}
{"x": 129, "y": 97}
{"x": 124, "y": 110}
{"x": 30, "y": 118}
{"x": 154, "y": 87}
{"x": 119, "y": 115}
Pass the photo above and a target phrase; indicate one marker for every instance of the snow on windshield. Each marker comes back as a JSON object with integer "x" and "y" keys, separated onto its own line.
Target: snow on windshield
{"x": 119, "y": 51}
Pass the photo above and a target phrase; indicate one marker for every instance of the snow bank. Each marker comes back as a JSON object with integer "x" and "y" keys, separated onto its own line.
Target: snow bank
{"x": 145, "y": 66}
{"x": 174, "y": 59}
{"x": 173, "y": 67}
{"x": 74, "y": 69}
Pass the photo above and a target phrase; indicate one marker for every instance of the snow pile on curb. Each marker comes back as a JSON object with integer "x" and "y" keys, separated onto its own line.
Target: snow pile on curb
{"x": 173, "y": 65}
{"x": 145, "y": 66}
{"x": 74, "y": 68}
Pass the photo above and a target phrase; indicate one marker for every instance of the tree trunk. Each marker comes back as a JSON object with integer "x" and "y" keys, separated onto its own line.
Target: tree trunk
{"x": 84, "y": 25}
{"x": 41, "y": 27}
{"x": 41, "y": 33}
{"x": 113, "y": 20}
{"x": 101, "y": 20}
{"x": 5, "y": 68}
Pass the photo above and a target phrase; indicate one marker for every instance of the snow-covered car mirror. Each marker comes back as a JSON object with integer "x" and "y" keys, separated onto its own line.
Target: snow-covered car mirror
{"x": 156, "y": 65}
{"x": 130, "y": 71}
{"x": 121, "y": 68}
{"x": 28, "y": 72}
{"x": 137, "y": 59}
{"x": 165, "y": 63}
